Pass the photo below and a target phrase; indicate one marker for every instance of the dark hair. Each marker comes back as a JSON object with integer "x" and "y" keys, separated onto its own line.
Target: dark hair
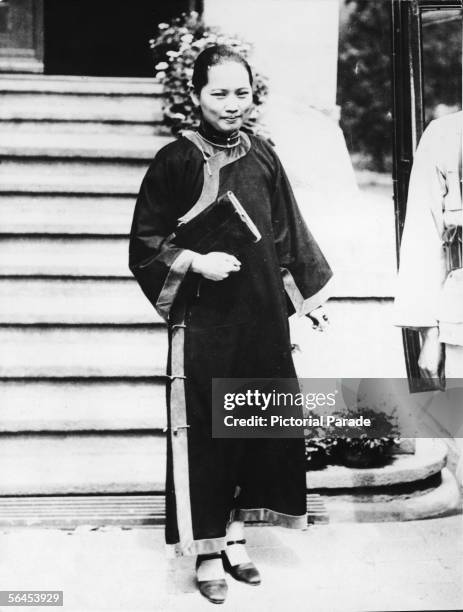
{"x": 217, "y": 54}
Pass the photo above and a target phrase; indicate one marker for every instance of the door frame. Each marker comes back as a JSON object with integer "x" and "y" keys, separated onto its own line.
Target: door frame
{"x": 26, "y": 59}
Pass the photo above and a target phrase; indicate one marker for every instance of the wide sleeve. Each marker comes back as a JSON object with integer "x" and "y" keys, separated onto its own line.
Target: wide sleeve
{"x": 422, "y": 269}
{"x": 305, "y": 271}
{"x": 158, "y": 265}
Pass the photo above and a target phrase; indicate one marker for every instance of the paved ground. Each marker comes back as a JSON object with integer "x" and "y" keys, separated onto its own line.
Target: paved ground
{"x": 382, "y": 566}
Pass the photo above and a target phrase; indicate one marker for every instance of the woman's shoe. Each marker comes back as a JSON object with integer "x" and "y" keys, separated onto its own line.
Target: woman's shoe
{"x": 214, "y": 590}
{"x": 244, "y": 572}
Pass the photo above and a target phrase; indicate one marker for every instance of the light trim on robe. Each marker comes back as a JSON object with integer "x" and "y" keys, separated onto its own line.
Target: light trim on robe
{"x": 174, "y": 279}
{"x": 197, "y": 547}
{"x": 179, "y": 437}
{"x": 305, "y": 305}
{"x": 179, "y": 430}
{"x": 271, "y": 516}
{"x": 213, "y": 162}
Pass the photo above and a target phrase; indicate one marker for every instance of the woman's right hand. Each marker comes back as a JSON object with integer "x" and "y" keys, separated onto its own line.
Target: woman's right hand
{"x": 431, "y": 353}
{"x": 215, "y": 266}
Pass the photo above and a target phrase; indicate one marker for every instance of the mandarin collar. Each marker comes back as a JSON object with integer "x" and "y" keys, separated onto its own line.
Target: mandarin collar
{"x": 221, "y": 139}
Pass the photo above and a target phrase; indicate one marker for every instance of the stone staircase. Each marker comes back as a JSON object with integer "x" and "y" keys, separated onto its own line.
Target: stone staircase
{"x": 81, "y": 349}
{"x": 82, "y": 353}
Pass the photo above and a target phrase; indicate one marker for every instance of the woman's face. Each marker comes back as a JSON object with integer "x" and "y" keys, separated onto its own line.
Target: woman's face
{"x": 227, "y": 97}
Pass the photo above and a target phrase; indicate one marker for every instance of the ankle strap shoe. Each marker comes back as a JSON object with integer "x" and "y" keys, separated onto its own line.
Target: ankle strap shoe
{"x": 244, "y": 572}
{"x": 213, "y": 590}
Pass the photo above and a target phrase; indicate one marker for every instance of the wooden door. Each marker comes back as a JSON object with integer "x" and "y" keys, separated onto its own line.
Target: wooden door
{"x": 21, "y": 35}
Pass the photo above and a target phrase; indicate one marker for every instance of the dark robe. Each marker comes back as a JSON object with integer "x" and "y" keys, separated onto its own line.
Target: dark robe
{"x": 234, "y": 328}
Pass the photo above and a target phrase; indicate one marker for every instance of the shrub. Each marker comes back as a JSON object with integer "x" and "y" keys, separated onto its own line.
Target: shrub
{"x": 354, "y": 447}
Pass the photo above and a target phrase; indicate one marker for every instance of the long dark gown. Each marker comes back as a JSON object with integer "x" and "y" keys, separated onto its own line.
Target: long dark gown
{"x": 234, "y": 328}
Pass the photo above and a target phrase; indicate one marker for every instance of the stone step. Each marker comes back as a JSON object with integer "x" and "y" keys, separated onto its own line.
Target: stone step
{"x": 72, "y": 176}
{"x": 76, "y": 126}
{"x": 78, "y": 107}
{"x": 429, "y": 458}
{"x": 443, "y": 500}
{"x": 82, "y": 352}
{"x": 65, "y": 256}
{"x": 56, "y": 301}
{"x": 81, "y": 405}
{"x": 101, "y": 179}
{"x": 92, "y": 463}
{"x": 79, "y": 85}
{"x": 90, "y": 511}
{"x": 117, "y": 350}
{"x": 125, "y": 510}
{"x": 84, "y": 511}
{"x": 89, "y": 463}
{"x": 58, "y": 214}
{"x": 17, "y": 144}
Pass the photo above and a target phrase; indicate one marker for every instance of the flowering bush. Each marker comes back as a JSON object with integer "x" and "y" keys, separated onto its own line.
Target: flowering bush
{"x": 175, "y": 49}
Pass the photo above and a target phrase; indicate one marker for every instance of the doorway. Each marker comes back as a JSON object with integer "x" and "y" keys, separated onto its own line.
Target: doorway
{"x": 104, "y": 38}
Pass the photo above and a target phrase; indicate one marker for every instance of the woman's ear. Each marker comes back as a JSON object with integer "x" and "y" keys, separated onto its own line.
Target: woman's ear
{"x": 194, "y": 98}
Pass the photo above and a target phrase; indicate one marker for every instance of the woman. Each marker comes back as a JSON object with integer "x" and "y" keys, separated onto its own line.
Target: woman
{"x": 430, "y": 285}
{"x": 233, "y": 324}
{"x": 430, "y": 252}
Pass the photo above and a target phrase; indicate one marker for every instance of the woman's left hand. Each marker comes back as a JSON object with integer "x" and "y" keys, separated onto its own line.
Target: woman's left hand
{"x": 319, "y": 319}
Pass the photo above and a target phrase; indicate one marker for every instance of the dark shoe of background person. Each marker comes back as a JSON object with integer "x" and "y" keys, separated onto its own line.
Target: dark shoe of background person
{"x": 244, "y": 572}
{"x": 213, "y": 590}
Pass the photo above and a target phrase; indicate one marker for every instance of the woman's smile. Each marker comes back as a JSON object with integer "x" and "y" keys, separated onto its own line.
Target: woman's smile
{"x": 232, "y": 119}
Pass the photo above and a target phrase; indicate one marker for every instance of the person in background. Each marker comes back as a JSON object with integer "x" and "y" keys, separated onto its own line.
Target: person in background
{"x": 429, "y": 295}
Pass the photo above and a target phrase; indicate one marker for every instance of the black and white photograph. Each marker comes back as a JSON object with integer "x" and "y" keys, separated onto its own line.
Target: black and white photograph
{"x": 231, "y": 305}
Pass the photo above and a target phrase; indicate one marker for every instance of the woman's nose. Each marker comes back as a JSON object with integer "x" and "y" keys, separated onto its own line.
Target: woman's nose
{"x": 231, "y": 103}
